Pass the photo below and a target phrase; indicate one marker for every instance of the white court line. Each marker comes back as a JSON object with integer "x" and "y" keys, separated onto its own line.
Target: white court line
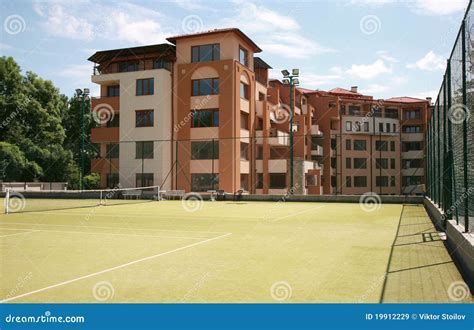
{"x": 293, "y": 214}
{"x": 28, "y": 232}
{"x": 113, "y": 268}
{"x": 98, "y": 233}
{"x": 108, "y": 227}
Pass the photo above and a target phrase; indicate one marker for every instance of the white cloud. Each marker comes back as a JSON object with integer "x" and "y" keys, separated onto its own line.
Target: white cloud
{"x": 310, "y": 80}
{"x": 374, "y": 89}
{"x": 369, "y": 71}
{"x": 5, "y": 46}
{"x": 385, "y": 55}
{"x": 429, "y": 62}
{"x": 437, "y": 7}
{"x": 76, "y": 71}
{"x": 123, "y": 21}
{"x": 422, "y": 95}
{"x": 191, "y": 5}
{"x": 293, "y": 46}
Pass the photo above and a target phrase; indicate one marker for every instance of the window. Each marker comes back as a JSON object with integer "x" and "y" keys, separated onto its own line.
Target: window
{"x": 412, "y": 180}
{"x": 112, "y": 150}
{"x": 348, "y": 126}
{"x": 360, "y": 145}
{"x": 333, "y": 181}
{"x": 162, "y": 64}
{"x": 112, "y": 180}
{"x": 205, "y": 53}
{"x": 204, "y": 181}
{"x": 348, "y": 144}
{"x": 333, "y": 162}
{"x": 376, "y": 111}
{"x": 392, "y": 163}
{"x": 348, "y": 181}
{"x": 333, "y": 144}
{"x": 392, "y": 181}
{"x": 411, "y": 129}
{"x": 244, "y": 120}
{"x": 244, "y": 91}
{"x": 366, "y": 126}
{"x": 259, "y": 182}
{"x": 342, "y": 109}
{"x": 411, "y": 146}
{"x": 381, "y": 145}
{"x": 244, "y": 181}
{"x": 391, "y": 113}
{"x": 354, "y": 110}
{"x": 357, "y": 126}
{"x": 205, "y": 86}
{"x": 394, "y": 128}
{"x": 387, "y": 127}
{"x": 144, "y": 149}
{"x": 114, "y": 121}
{"x": 412, "y": 114}
{"x": 381, "y": 163}
{"x": 360, "y": 163}
{"x": 381, "y": 181}
{"x": 261, "y": 96}
{"x": 277, "y": 180}
{"x": 392, "y": 145}
{"x": 205, "y": 118}
{"x": 381, "y": 127}
{"x": 360, "y": 181}
{"x": 348, "y": 162}
{"x": 144, "y": 180}
{"x": 205, "y": 150}
{"x": 144, "y": 118}
{"x": 412, "y": 163}
{"x": 113, "y": 90}
{"x": 244, "y": 151}
{"x": 259, "y": 124}
{"x": 259, "y": 152}
{"x": 128, "y": 66}
{"x": 145, "y": 86}
{"x": 243, "y": 56}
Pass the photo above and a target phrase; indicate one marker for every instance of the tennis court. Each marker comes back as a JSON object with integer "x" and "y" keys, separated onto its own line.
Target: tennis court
{"x": 222, "y": 252}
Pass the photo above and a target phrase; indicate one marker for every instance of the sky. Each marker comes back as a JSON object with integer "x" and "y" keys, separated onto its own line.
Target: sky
{"x": 387, "y": 48}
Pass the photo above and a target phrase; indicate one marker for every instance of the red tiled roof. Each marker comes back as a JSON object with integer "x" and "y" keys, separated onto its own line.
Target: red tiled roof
{"x": 405, "y": 99}
{"x": 256, "y": 49}
{"x": 339, "y": 90}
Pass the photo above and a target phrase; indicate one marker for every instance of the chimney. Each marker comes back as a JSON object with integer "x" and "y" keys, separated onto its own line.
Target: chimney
{"x": 354, "y": 89}
{"x": 429, "y": 100}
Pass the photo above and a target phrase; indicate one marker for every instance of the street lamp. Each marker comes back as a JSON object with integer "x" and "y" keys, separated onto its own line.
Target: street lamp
{"x": 84, "y": 96}
{"x": 291, "y": 80}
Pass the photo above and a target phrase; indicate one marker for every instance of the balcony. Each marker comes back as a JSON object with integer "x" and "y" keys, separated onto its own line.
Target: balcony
{"x": 111, "y": 102}
{"x": 413, "y": 136}
{"x": 259, "y": 108}
{"x": 275, "y": 138}
{"x": 316, "y": 150}
{"x": 413, "y": 171}
{"x": 105, "y": 134}
{"x": 315, "y": 131}
{"x": 277, "y": 166}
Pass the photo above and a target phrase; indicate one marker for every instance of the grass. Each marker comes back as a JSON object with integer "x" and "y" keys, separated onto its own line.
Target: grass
{"x": 222, "y": 252}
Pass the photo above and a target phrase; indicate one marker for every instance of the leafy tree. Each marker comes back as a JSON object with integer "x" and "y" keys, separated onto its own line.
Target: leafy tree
{"x": 92, "y": 181}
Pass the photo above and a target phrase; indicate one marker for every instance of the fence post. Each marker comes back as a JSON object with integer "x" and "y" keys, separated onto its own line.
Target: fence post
{"x": 450, "y": 156}
{"x": 464, "y": 101}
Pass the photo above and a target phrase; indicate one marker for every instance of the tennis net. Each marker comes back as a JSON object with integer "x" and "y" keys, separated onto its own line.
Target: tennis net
{"x": 40, "y": 201}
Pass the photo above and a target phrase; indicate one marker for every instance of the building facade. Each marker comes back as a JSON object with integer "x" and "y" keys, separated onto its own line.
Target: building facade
{"x": 201, "y": 114}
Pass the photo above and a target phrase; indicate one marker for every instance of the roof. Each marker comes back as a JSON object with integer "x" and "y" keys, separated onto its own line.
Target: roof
{"x": 105, "y": 55}
{"x": 256, "y": 49}
{"x": 259, "y": 63}
{"x": 405, "y": 99}
{"x": 339, "y": 90}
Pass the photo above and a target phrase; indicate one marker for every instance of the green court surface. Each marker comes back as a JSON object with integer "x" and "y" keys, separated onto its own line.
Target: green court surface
{"x": 222, "y": 252}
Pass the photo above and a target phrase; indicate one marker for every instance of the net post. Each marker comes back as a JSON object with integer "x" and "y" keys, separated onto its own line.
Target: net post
{"x": 7, "y": 200}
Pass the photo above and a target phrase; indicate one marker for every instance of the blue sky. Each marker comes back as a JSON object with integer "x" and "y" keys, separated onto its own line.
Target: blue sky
{"x": 386, "y": 47}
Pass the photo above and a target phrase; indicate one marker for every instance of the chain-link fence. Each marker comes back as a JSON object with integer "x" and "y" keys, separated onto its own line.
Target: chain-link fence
{"x": 450, "y": 135}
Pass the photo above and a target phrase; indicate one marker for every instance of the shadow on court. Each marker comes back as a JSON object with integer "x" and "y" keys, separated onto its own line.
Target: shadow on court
{"x": 420, "y": 268}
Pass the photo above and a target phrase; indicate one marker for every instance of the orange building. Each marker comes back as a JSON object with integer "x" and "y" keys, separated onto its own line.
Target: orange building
{"x": 201, "y": 114}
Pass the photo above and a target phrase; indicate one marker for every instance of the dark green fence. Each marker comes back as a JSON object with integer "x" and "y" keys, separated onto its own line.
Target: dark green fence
{"x": 450, "y": 134}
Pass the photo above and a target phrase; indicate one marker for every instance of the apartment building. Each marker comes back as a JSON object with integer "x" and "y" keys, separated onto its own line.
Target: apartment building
{"x": 201, "y": 113}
